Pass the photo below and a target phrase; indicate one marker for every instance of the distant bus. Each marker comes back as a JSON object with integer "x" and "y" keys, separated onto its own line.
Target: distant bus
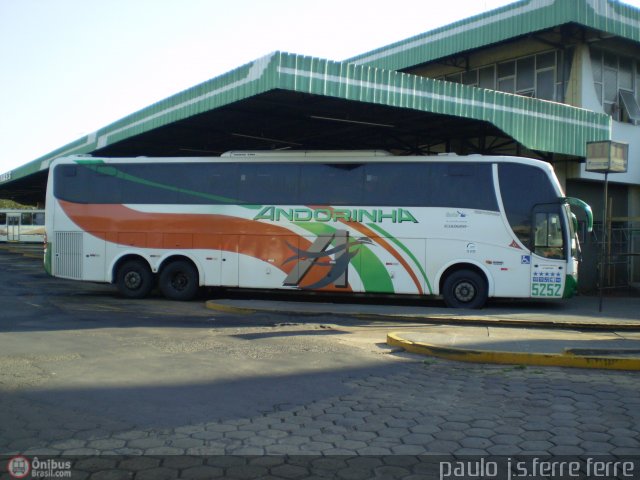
{"x": 21, "y": 225}
{"x": 466, "y": 228}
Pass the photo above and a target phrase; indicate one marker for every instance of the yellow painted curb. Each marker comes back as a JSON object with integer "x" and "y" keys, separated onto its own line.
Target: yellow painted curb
{"x": 508, "y": 322}
{"x": 212, "y": 305}
{"x": 517, "y": 358}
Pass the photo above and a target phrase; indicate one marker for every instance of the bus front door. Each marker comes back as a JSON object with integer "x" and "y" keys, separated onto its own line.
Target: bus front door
{"x": 548, "y": 259}
{"x": 13, "y": 227}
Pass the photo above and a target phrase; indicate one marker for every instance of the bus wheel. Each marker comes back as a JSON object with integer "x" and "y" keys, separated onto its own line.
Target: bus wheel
{"x": 134, "y": 279}
{"x": 465, "y": 289}
{"x": 179, "y": 281}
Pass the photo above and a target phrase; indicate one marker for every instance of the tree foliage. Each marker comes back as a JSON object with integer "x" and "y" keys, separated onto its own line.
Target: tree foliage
{"x": 10, "y": 204}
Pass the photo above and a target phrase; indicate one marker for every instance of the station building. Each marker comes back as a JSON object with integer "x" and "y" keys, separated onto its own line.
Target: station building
{"x": 536, "y": 78}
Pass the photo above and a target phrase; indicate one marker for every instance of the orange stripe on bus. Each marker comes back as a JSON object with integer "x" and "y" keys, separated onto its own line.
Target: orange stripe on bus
{"x": 125, "y": 226}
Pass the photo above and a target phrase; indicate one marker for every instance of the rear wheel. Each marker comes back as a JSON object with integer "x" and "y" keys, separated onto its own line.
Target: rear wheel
{"x": 465, "y": 289}
{"x": 134, "y": 279}
{"x": 179, "y": 281}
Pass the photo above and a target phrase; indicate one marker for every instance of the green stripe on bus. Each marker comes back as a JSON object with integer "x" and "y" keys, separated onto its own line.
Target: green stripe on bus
{"x": 114, "y": 172}
{"x": 403, "y": 247}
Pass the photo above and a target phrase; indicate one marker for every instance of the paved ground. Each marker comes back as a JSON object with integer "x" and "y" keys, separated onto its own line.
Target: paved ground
{"x": 583, "y": 311}
{"x": 133, "y": 387}
{"x": 582, "y": 332}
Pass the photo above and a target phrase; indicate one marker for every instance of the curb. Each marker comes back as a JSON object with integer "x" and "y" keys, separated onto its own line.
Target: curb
{"x": 214, "y": 305}
{"x": 502, "y": 322}
{"x": 566, "y": 359}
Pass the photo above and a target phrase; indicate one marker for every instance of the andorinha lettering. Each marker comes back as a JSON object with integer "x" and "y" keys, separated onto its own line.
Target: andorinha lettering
{"x": 375, "y": 215}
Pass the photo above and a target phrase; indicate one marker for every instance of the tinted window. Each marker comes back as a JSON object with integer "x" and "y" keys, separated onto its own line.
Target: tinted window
{"x": 439, "y": 184}
{"x": 522, "y": 187}
{"x": 147, "y": 183}
{"x": 487, "y": 77}
{"x": 86, "y": 184}
{"x": 26, "y": 219}
{"x": 262, "y": 183}
{"x": 461, "y": 185}
{"x": 506, "y": 69}
{"x": 331, "y": 184}
{"x": 38, "y": 218}
{"x": 546, "y": 84}
{"x": 3, "y": 218}
{"x": 401, "y": 184}
{"x": 526, "y": 71}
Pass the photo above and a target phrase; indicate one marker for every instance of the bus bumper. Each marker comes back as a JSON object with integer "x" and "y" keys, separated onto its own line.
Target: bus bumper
{"x": 570, "y": 286}
{"x": 47, "y": 258}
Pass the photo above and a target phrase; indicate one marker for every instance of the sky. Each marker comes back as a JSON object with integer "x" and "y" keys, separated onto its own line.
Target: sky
{"x": 71, "y": 67}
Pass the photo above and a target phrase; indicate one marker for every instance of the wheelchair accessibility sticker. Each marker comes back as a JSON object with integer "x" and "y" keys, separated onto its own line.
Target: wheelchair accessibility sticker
{"x": 525, "y": 259}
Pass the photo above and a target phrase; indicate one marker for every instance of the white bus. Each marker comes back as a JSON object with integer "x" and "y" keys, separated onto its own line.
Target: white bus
{"x": 466, "y": 228}
{"x": 21, "y": 225}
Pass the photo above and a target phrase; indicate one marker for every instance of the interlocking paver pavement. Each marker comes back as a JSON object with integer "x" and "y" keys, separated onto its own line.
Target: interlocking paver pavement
{"x": 414, "y": 408}
{"x": 439, "y": 407}
{"x": 78, "y": 393}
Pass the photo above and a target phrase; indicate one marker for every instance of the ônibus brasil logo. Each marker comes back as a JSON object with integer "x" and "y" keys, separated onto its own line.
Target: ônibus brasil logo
{"x": 19, "y": 467}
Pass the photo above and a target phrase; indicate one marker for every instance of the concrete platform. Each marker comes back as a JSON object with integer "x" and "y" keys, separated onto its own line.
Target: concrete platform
{"x": 570, "y": 333}
{"x": 616, "y": 350}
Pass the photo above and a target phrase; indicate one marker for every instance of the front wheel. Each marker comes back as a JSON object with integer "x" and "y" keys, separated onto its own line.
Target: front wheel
{"x": 179, "y": 281}
{"x": 134, "y": 279}
{"x": 465, "y": 289}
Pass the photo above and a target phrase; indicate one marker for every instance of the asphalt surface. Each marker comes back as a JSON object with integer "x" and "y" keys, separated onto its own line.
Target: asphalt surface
{"x": 159, "y": 389}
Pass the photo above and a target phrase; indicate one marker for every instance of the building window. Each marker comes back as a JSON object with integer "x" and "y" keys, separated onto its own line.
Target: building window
{"x": 540, "y": 76}
{"x": 470, "y": 78}
{"x": 526, "y": 76}
{"x": 546, "y": 76}
{"x": 488, "y": 77}
{"x": 454, "y": 77}
{"x": 630, "y": 108}
{"x": 617, "y": 83}
{"x": 507, "y": 77}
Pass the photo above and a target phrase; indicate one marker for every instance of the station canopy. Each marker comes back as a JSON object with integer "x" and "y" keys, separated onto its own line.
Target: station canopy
{"x": 288, "y": 101}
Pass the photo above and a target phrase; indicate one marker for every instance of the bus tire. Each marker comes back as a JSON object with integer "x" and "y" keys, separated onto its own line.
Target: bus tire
{"x": 465, "y": 289}
{"x": 179, "y": 281}
{"x": 134, "y": 279}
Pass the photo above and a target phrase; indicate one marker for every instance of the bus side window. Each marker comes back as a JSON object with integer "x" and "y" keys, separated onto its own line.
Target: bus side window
{"x": 395, "y": 184}
{"x": 461, "y": 185}
{"x": 268, "y": 184}
{"x": 38, "y": 218}
{"x": 26, "y": 219}
{"x": 3, "y": 218}
{"x": 331, "y": 184}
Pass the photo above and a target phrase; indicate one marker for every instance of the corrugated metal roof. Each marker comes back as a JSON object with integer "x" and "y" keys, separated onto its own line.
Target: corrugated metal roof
{"x": 537, "y": 124}
{"x": 513, "y": 20}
